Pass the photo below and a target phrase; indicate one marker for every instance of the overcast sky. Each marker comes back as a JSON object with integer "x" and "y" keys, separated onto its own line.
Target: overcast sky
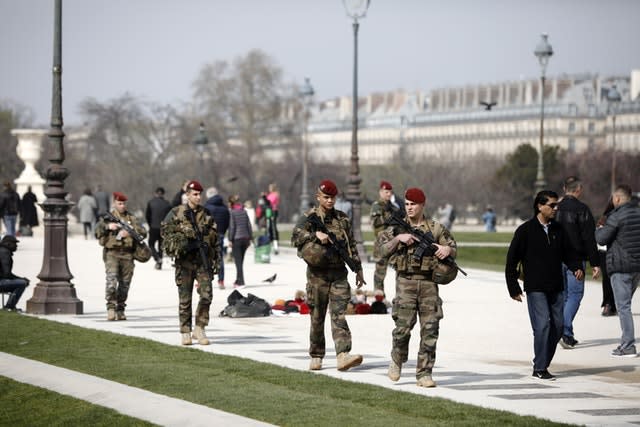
{"x": 155, "y": 48}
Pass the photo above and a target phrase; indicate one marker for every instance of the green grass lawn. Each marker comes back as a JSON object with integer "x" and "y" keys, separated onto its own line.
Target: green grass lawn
{"x": 257, "y": 390}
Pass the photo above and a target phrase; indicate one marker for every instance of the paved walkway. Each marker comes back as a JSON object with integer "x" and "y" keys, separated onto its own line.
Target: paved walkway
{"x": 484, "y": 351}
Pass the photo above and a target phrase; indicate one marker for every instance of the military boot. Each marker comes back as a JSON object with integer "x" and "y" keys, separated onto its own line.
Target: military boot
{"x": 347, "y": 361}
{"x": 120, "y": 315}
{"x": 394, "y": 371}
{"x": 426, "y": 381}
{"x": 111, "y": 314}
{"x": 198, "y": 333}
{"x": 186, "y": 338}
{"x": 316, "y": 364}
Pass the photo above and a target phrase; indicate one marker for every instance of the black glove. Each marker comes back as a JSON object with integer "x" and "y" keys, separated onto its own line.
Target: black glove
{"x": 192, "y": 245}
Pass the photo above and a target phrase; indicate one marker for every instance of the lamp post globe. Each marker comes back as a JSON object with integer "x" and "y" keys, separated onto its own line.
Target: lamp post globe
{"x": 543, "y": 52}
{"x": 306, "y": 92}
{"x": 613, "y": 99}
{"x": 355, "y": 9}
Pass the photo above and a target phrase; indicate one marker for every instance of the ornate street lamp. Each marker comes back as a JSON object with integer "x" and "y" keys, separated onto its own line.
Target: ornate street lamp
{"x": 55, "y": 294}
{"x": 356, "y": 9}
{"x": 543, "y": 52}
{"x": 306, "y": 92}
{"x": 200, "y": 143}
{"x": 613, "y": 99}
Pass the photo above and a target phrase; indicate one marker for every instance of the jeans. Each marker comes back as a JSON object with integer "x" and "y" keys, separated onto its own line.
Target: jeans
{"x": 624, "y": 285}
{"x": 16, "y": 287}
{"x": 572, "y": 296}
{"x": 221, "y": 270}
{"x": 10, "y": 224}
{"x": 545, "y": 313}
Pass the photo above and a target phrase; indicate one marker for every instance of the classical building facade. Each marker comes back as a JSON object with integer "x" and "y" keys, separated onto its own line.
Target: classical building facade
{"x": 495, "y": 119}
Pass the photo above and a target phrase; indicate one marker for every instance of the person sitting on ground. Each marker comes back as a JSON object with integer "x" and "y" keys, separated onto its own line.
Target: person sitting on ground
{"x": 9, "y": 282}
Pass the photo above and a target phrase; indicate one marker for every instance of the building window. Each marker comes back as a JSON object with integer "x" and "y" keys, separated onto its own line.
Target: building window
{"x": 591, "y": 144}
{"x": 591, "y": 127}
{"x": 572, "y": 127}
{"x": 572, "y": 145}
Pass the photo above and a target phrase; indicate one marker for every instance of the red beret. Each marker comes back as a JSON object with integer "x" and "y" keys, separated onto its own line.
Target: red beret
{"x": 328, "y": 187}
{"x": 194, "y": 185}
{"x": 118, "y": 196}
{"x": 385, "y": 185}
{"x": 415, "y": 195}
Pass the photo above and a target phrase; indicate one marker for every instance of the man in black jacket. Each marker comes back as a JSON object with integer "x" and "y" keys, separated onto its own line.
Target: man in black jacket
{"x": 540, "y": 246}
{"x": 577, "y": 220}
{"x": 157, "y": 209}
{"x": 9, "y": 282}
{"x": 621, "y": 235}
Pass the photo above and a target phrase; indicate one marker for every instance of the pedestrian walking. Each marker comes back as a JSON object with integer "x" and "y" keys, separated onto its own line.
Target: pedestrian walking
{"x": 103, "y": 200}
{"x": 220, "y": 213}
{"x": 327, "y": 284}
{"x": 416, "y": 292}
{"x": 28, "y": 213}
{"x": 87, "y": 210}
{"x": 540, "y": 246}
{"x": 157, "y": 209}
{"x": 190, "y": 237}
{"x": 117, "y": 254}
{"x": 273, "y": 195}
{"x": 621, "y": 234}
{"x": 9, "y": 208}
{"x": 240, "y": 236}
{"x": 577, "y": 221}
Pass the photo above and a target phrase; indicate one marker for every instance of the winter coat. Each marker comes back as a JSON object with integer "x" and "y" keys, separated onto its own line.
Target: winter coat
{"x": 220, "y": 213}
{"x": 577, "y": 220}
{"x": 621, "y": 235}
{"x": 87, "y": 207}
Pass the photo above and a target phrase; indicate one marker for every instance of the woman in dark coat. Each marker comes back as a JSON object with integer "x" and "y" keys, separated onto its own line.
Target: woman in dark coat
{"x": 28, "y": 211}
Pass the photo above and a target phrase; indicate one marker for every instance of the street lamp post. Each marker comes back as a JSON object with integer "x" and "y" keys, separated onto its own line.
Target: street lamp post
{"x": 55, "y": 294}
{"x": 356, "y": 9}
{"x": 307, "y": 93}
{"x": 613, "y": 98}
{"x": 543, "y": 52}
{"x": 200, "y": 142}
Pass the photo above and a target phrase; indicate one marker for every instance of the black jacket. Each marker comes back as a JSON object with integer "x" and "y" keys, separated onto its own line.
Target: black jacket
{"x": 541, "y": 255}
{"x": 219, "y": 212}
{"x": 577, "y": 220}
{"x": 6, "y": 263}
{"x": 157, "y": 209}
{"x": 621, "y": 235}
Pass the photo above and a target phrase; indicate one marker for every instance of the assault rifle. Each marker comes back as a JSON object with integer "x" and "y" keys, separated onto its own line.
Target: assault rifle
{"x": 203, "y": 248}
{"x": 108, "y": 216}
{"x": 426, "y": 244}
{"x": 319, "y": 225}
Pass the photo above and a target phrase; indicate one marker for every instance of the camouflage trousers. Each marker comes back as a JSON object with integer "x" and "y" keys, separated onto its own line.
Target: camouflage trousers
{"x": 185, "y": 276}
{"x": 380, "y": 274}
{"x": 328, "y": 288}
{"x": 119, "y": 269}
{"x": 416, "y": 298}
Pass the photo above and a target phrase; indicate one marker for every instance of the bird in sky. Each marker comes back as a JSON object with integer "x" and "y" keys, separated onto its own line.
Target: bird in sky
{"x": 488, "y": 105}
{"x": 270, "y": 279}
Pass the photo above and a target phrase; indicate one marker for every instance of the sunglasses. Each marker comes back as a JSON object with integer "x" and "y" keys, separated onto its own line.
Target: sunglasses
{"x": 552, "y": 205}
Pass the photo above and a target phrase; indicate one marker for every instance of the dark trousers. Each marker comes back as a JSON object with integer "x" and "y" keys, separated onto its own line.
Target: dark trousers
{"x": 607, "y": 292}
{"x": 546, "y": 314}
{"x": 16, "y": 287}
{"x": 238, "y": 249}
{"x": 154, "y": 236}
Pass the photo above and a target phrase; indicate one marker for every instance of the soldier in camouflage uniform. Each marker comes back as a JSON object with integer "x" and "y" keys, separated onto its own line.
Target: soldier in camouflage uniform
{"x": 187, "y": 245}
{"x": 118, "y": 256}
{"x": 416, "y": 293}
{"x": 327, "y": 285}
{"x": 381, "y": 210}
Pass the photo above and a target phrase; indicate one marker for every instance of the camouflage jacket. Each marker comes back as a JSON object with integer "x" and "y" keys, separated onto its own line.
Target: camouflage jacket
{"x": 380, "y": 212}
{"x": 304, "y": 236}
{"x": 179, "y": 236}
{"x": 110, "y": 238}
{"x": 402, "y": 258}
